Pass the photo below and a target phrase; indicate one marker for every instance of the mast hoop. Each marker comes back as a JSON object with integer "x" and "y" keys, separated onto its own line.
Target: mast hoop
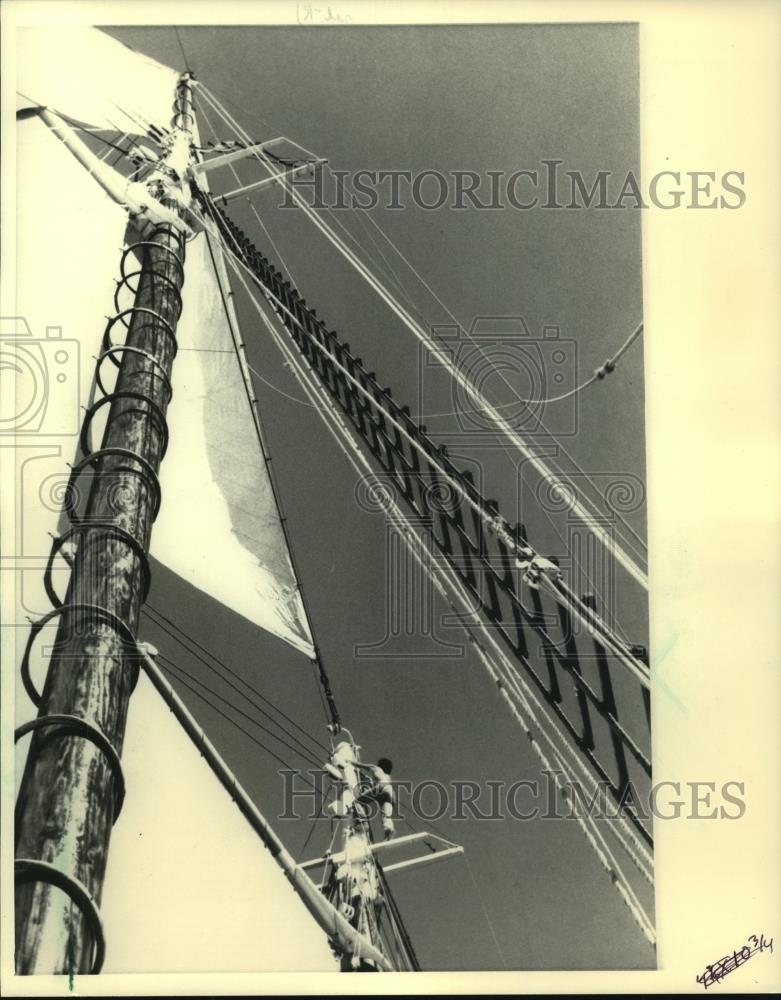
{"x": 155, "y": 408}
{"x": 167, "y": 325}
{"x": 96, "y": 456}
{"x": 30, "y": 870}
{"x": 124, "y": 282}
{"x": 116, "y": 349}
{"x": 101, "y": 614}
{"x": 121, "y": 534}
{"x": 74, "y": 725}
{"x": 158, "y": 246}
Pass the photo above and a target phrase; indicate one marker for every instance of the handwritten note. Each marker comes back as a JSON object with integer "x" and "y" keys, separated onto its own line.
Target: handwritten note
{"x": 308, "y": 13}
{"x": 719, "y": 970}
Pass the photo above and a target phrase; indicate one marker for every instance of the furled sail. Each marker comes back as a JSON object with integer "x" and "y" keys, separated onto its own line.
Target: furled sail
{"x": 219, "y": 527}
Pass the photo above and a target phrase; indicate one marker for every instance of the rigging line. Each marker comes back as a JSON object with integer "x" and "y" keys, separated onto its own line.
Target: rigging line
{"x": 516, "y": 682}
{"x": 318, "y": 816}
{"x": 308, "y": 757}
{"x": 593, "y": 836}
{"x": 367, "y": 253}
{"x": 386, "y": 267}
{"x": 622, "y": 831}
{"x": 323, "y": 703}
{"x": 485, "y": 911}
{"x": 504, "y": 448}
{"x": 608, "y": 861}
{"x": 332, "y": 213}
{"x": 604, "y": 856}
{"x": 619, "y": 647}
{"x": 299, "y": 748}
{"x": 224, "y": 666}
{"x": 398, "y": 926}
{"x": 612, "y": 361}
{"x": 503, "y": 444}
{"x": 250, "y": 113}
{"x": 241, "y": 729}
{"x": 325, "y": 681}
{"x": 318, "y": 658}
{"x": 95, "y": 133}
{"x": 181, "y": 47}
{"x": 336, "y": 426}
{"x": 305, "y": 750}
{"x": 485, "y": 407}
{"x": 359, "y": 212}
{"x": 249, "y": 202}
{"x": 636, "y": 860}
{"x": 565, "y": 597}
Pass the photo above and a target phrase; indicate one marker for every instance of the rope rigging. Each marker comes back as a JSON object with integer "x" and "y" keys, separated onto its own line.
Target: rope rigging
{"x": 350, "y": 449}
{"x": 343, "y": 437}
{"x": 619, "y": 732}
{"x": 635, "y": 540}
{"x": 335, "y": 719}
{"x": 187, "y": 641}
{"x": 576, "y": 505}
{"x": 170, "y": 665}
{"x": 538, "y": 571}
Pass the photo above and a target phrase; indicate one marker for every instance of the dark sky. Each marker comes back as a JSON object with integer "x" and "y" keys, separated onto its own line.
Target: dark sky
{"x": 470, "y": 98}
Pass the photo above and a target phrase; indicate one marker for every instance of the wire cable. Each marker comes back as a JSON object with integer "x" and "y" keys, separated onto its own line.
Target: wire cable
{"x": 337, "y": 421}
{"x": 320, "y": 747}
{"x": 196, "y": 680}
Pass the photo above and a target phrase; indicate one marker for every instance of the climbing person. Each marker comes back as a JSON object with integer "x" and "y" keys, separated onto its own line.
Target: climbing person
{"x": 379, "y": 788}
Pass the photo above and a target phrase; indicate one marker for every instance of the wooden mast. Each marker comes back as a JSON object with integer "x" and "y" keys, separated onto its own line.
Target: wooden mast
{"x": 72, "y": 786}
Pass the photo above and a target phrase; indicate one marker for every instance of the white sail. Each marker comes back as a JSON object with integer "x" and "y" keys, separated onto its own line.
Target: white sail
{"x": 87, "y": 75}
{"x": 189, "y": 886}
{"x": 218, "y": 527}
